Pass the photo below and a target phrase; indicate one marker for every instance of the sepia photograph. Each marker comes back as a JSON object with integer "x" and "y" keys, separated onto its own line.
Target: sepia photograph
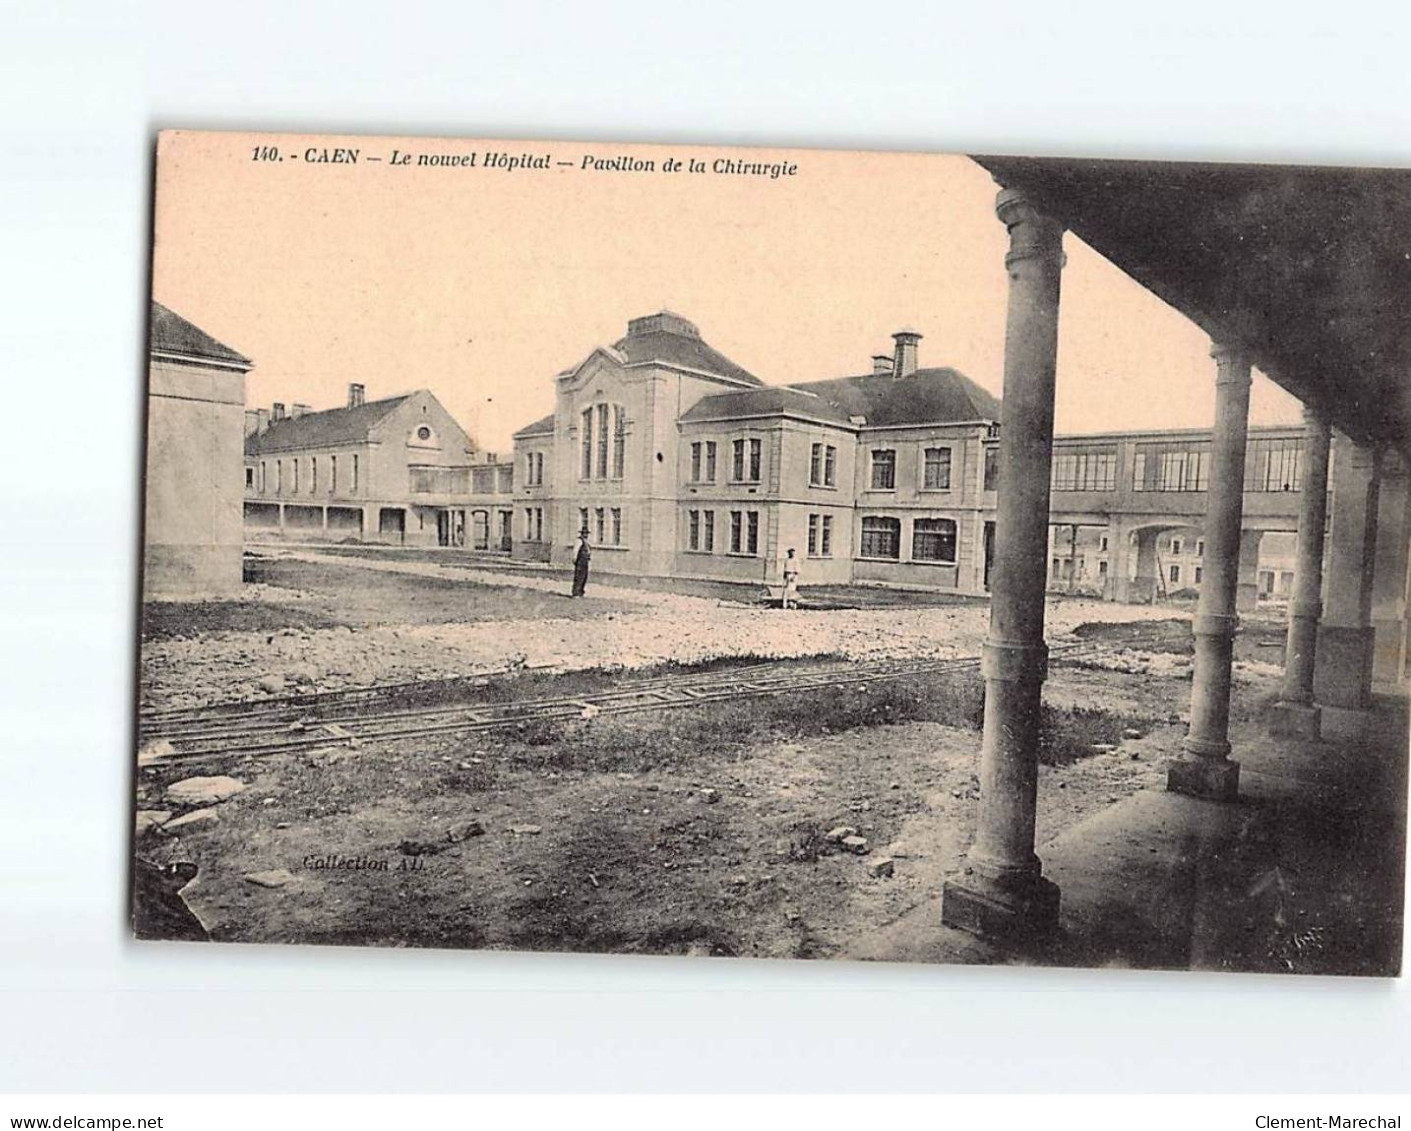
{"x": 774, "y": 553}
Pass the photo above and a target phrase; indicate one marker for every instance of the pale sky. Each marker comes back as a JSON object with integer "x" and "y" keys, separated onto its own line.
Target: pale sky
{"x": 481, "y": 284}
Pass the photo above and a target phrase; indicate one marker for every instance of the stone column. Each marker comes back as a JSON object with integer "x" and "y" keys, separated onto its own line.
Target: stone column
{"x": 1342, "y": 672}
{"x": 1247, "y": 587}
{"x": 1206, "y": 769}
{"x": 1296, "y": 715}
{"x": 1002, "y": 891}
{"x": 1142, "y": 589}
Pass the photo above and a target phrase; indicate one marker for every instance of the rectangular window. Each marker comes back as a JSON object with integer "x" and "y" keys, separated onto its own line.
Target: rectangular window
{"x": 332, "y": 475}
{"x": 825, "y": 546}
{"x": 1057, "y": 568}
{"x": 529, "y": 470}
{"x": 933, "y": 540}
{"x": 587, "y": 438}
{"x": 354, "y": 485}
{"x": 1084, "y": 470}
{"x": 294, "y": 483}
{"x": 884, "y": 470}
{"x": 313, "y": 475}
{"x": 1102, "y": 544}
{"x": 881, "y": 537}
{"x": 538, "y": 524}
{"x": 619, "y": 440}
{"x": 602, "y": 441}
{"x": 693, "y": 530}
{"x": 815, "y": 468}
{"x": 582, "y": 522}
{"x": 1102, "y": 569}
{"x": 747, "y": 455}
{"x": 1183, "y": 466}
{"x": 696, "y": 462}
{"x": 1200, "y": 548}
{"x": 830, "y": 466}
{"x": 1175, "y": 545}
{"x": 279, "y": 477}
{"x": 601, "y": 522}
{"x": 617, "y": 526}
{"x": 709, "y": 541}
{"x": 737, "y": 528}
{"x": 710, "y": 461}
{"x": 752, "y": 532}
{"x": 1175, "y": 573}
{"x": 529, "y": 523}
{"x": 991, "y": 468}
{"x": 1198, "y": 574}
{"x": 539, "y": 476}
{"x": 813, "y": 533}
{"x": 249, "y": 479}
{"x": 264, "y": 476}
{"x": 1274, "y": 465}
{"x": 937, "y": 474}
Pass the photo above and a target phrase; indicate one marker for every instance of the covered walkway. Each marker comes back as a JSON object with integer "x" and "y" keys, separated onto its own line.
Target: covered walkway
{"x": 1302, "y": 273}
{"x": 1259, "y": 885}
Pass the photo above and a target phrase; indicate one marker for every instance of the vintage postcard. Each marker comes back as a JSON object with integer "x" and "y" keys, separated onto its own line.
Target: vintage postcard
{"x": 775, "y": 553}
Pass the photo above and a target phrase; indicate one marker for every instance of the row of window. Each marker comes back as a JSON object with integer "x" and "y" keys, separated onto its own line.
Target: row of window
{"x": 742, "y": 535}
{"x": 260, "y": 482}
{"x": 605, "y": 529}
{"x": 746, "y": 461}
{"x": 534, "y": 524}
{"x": 597, "y": 441}
{"x": 935, "y": 469}
{"x": 932, "y": 539}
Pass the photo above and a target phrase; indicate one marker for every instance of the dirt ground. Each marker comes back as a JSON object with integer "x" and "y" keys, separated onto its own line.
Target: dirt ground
{"x": 701, "y": 831}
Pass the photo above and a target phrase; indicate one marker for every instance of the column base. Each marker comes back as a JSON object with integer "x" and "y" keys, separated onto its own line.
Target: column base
{"x": 1344, "y": 724}
{"x": 1027, "y": 910}
{"x": 1296, "y": 720}
{"x": 1214, "y": 779}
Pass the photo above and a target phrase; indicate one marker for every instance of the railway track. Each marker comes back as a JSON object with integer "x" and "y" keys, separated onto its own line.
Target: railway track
{"x": 391, "y": 711}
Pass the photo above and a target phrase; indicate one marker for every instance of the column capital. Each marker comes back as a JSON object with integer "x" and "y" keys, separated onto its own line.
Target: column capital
{"x": 1032, "y": 235}
{"x": 1232, "y": 364}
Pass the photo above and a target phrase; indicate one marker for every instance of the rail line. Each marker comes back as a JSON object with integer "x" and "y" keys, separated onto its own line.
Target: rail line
{"x": 299, "y": 723}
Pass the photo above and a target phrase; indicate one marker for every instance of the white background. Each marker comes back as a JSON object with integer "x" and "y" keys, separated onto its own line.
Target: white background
{"x": 83, "y": 87}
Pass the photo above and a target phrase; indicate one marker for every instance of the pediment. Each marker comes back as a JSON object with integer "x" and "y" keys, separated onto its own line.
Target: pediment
{"x": 603, "y": 363}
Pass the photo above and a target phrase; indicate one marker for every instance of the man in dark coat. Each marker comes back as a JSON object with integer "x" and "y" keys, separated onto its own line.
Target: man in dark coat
{"x": 581, "y": 554}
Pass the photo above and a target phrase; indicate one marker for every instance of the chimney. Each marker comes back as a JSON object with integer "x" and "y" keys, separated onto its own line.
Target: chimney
{"x": 905, "y": 363}
{"x": 252, "y": 422}
{"x": 278, "y": 413}
{"x": 262, "y": 415}
{"x": 356, "y": 395}
{"x": 297, "y": 411}
{"x": 881, "y": 365}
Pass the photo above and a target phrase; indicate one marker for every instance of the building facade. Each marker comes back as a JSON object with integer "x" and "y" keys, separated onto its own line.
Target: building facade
{"x": 195, "y": 395}
{"x": 681, "y": 463}
{"x": 396, "y": 471}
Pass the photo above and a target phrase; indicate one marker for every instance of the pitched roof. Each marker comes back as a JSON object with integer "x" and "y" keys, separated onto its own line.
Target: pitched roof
{"x": 173, "y": 334}
{"x": 672, "y": 340}
{"x": 544, "y": 427}
{"x": 770, "y": 400}
{"x": 927, "y": 396}
{"x": 322, "y": 429}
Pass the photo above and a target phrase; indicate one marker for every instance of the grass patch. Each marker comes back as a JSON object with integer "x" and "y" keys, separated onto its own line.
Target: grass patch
{"x": 658, "y": 739}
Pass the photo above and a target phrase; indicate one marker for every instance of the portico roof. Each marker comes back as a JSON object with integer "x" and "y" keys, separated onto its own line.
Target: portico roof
{"x": 1309, "y": 269}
